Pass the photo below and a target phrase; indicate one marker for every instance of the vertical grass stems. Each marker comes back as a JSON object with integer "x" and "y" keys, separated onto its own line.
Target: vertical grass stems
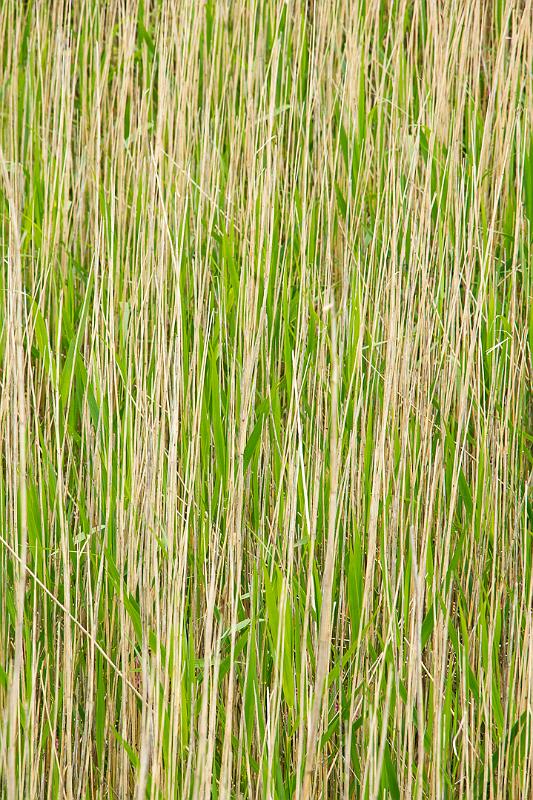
{"x": 265, "y": 414}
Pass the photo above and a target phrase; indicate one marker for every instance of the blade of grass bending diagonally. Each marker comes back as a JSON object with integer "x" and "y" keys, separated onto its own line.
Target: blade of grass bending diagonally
{"x": 76, "y": 622}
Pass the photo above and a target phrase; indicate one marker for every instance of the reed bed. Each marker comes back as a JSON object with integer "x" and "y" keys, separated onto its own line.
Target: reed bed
{"x": 265, "y": 411}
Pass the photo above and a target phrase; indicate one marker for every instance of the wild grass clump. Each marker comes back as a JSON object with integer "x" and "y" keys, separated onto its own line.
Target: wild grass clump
{"x": 265, "y": 423}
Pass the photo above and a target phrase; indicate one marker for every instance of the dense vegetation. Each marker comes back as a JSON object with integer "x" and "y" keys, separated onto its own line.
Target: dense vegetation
{"x": 265, "y": 432}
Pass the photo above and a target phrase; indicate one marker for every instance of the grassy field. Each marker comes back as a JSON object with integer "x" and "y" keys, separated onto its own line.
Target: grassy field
{"x": 265, "y": 413}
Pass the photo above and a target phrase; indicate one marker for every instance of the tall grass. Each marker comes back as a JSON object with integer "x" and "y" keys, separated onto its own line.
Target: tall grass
{"x": 265, "y": 430}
